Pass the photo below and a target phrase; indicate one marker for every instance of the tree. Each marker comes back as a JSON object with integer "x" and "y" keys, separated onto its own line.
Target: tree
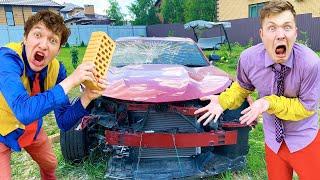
{"x": 144, "y": 12}
{"x": 200, "y": 9}
{"x": 172, "y": 11}
{"x": 74, "y": 56}
{"x": 114, "y": 12}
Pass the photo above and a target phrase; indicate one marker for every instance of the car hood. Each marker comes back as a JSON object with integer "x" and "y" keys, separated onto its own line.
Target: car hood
{"x": 164, "y": 83}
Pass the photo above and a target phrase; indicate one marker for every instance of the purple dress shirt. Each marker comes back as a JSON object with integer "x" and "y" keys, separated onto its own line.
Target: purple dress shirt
{"x": 303, "y": 81}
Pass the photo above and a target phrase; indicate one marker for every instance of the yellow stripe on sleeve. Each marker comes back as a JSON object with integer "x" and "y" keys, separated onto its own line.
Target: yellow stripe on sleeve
{"x": 290, "y": 109}
{"x": 233, "y": 97}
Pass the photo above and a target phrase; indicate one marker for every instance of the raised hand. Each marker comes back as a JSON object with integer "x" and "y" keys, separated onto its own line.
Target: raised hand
{"x": 212, "y": 110}
{"x": 88, "y": 94}
{"x": 251, "y": 113}
{"x": 85, "y": 71}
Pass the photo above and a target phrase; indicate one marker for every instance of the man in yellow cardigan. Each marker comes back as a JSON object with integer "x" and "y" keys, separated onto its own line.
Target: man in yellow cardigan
{"x": 33, "y": 83}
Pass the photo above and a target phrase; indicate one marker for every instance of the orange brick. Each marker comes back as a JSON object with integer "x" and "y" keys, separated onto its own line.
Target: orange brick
{"x": 99, "y": 50}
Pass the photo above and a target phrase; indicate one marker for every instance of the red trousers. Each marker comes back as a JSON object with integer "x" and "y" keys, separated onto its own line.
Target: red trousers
{"x": 305, "y": 162}
{"x": 40, "y": 151}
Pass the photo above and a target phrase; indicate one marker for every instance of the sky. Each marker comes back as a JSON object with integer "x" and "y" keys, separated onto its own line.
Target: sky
{"x": 100, "y": 6}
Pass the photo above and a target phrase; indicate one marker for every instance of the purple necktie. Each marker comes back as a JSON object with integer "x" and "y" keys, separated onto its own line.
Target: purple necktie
{"x": 279, "y": 78}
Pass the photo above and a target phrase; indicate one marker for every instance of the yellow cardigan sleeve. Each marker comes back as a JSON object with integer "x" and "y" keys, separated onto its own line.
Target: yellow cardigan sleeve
{"x": 233, "y": 97}
{"x": 287, "y": 108}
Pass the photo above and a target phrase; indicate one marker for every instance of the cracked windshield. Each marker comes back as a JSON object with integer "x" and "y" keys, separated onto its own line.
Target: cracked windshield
{"x": 157, "y": 52}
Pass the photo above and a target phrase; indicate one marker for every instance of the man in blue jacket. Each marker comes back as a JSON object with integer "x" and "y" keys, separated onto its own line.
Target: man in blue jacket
{"x": 33, "y": 83}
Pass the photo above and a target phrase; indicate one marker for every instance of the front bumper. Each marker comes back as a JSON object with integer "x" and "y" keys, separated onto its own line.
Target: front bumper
{"x": 170, "y": 140}
{"x": 221, "y": 151}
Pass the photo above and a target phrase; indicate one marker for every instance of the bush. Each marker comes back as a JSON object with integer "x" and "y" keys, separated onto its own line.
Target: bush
{"x": 304, "y": 38}
{"x": 82, "y": 44}
{"x": 74, "y": 56}
{"x": 231, "y": 58}
{"x": 67, "y": 45}
{"x": 250, "y": 43}
{"x": 171, "y": 33}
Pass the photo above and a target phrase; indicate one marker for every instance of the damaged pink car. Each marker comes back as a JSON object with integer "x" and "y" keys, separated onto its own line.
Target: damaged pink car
{"x": 145, "y": 119}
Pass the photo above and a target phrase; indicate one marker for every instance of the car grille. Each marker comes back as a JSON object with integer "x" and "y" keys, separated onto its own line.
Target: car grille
{"x": 168, "y": 122}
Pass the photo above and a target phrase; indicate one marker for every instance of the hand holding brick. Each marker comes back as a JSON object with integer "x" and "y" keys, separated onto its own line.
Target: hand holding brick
{"x": 99, "y": 50}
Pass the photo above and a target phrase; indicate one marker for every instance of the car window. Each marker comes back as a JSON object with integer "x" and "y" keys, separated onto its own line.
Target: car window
{"x": 157, "y": 52}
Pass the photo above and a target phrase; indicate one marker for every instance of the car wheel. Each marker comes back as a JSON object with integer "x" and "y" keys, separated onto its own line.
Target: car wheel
{"x": 73, "y": 144}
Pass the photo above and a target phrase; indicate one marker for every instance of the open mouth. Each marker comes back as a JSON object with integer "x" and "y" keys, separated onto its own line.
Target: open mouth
{"x": 39, "y": 56}
{"x": 281, "y": 50}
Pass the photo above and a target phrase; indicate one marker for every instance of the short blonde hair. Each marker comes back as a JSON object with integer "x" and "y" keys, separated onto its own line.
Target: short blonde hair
{"x": 276, "y": 7}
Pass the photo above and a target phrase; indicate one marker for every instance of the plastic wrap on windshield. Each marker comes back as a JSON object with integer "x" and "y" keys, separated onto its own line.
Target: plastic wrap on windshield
{"x": 161, "y": 71}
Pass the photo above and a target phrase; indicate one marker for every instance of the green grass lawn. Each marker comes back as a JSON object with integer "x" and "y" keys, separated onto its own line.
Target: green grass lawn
{"x": 24, "y": 168}
{"x": 65, "y": 57}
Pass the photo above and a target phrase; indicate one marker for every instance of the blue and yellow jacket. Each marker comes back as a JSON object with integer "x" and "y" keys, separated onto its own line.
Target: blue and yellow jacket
{"x": 18, "y": 108}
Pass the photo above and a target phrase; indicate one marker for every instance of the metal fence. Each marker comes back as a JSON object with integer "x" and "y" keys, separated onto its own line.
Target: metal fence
{"x": 82, "y": 33}
{"x": 79, "y": 33}
{"x": 10, "y": 34}
{"x": 242, "y": 30}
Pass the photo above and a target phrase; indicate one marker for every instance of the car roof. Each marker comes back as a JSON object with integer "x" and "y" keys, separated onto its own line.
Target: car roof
{"x": 177, "y": 39}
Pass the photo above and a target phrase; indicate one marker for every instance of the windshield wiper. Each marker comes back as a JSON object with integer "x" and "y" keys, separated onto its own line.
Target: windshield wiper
{"x": 195, "y": 65}
{"x": 121, "y": 65}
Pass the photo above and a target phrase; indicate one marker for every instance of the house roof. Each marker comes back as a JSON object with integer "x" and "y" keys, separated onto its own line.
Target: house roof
{"x": 46, "y": 3}
{"x": 83, "y": 16}
{"x": 69, "y": 7}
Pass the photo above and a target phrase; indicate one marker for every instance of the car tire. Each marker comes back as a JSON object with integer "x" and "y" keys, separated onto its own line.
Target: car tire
{"x": 74, "y": 145}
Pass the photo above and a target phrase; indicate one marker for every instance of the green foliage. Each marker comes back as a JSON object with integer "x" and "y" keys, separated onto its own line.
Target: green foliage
{"x": 144, "y": 12}
{"x": 229, "y": 60}
{"x": 74, "y": 56}
{"x": 82, "y": 44}
{"x": 181, "y": 11}
{"x": 200, "y": 9}
{"x": 305, "y": 40}
{"x": 67, "y": 45}
{"x": 171, "y": 33}
{"x": 114, "y": 12}
{"x": 250, "y": 43}
{"x": 65, "y": 57}
{"x": 256, "y": 162}
{"x": 172, "y": 11}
